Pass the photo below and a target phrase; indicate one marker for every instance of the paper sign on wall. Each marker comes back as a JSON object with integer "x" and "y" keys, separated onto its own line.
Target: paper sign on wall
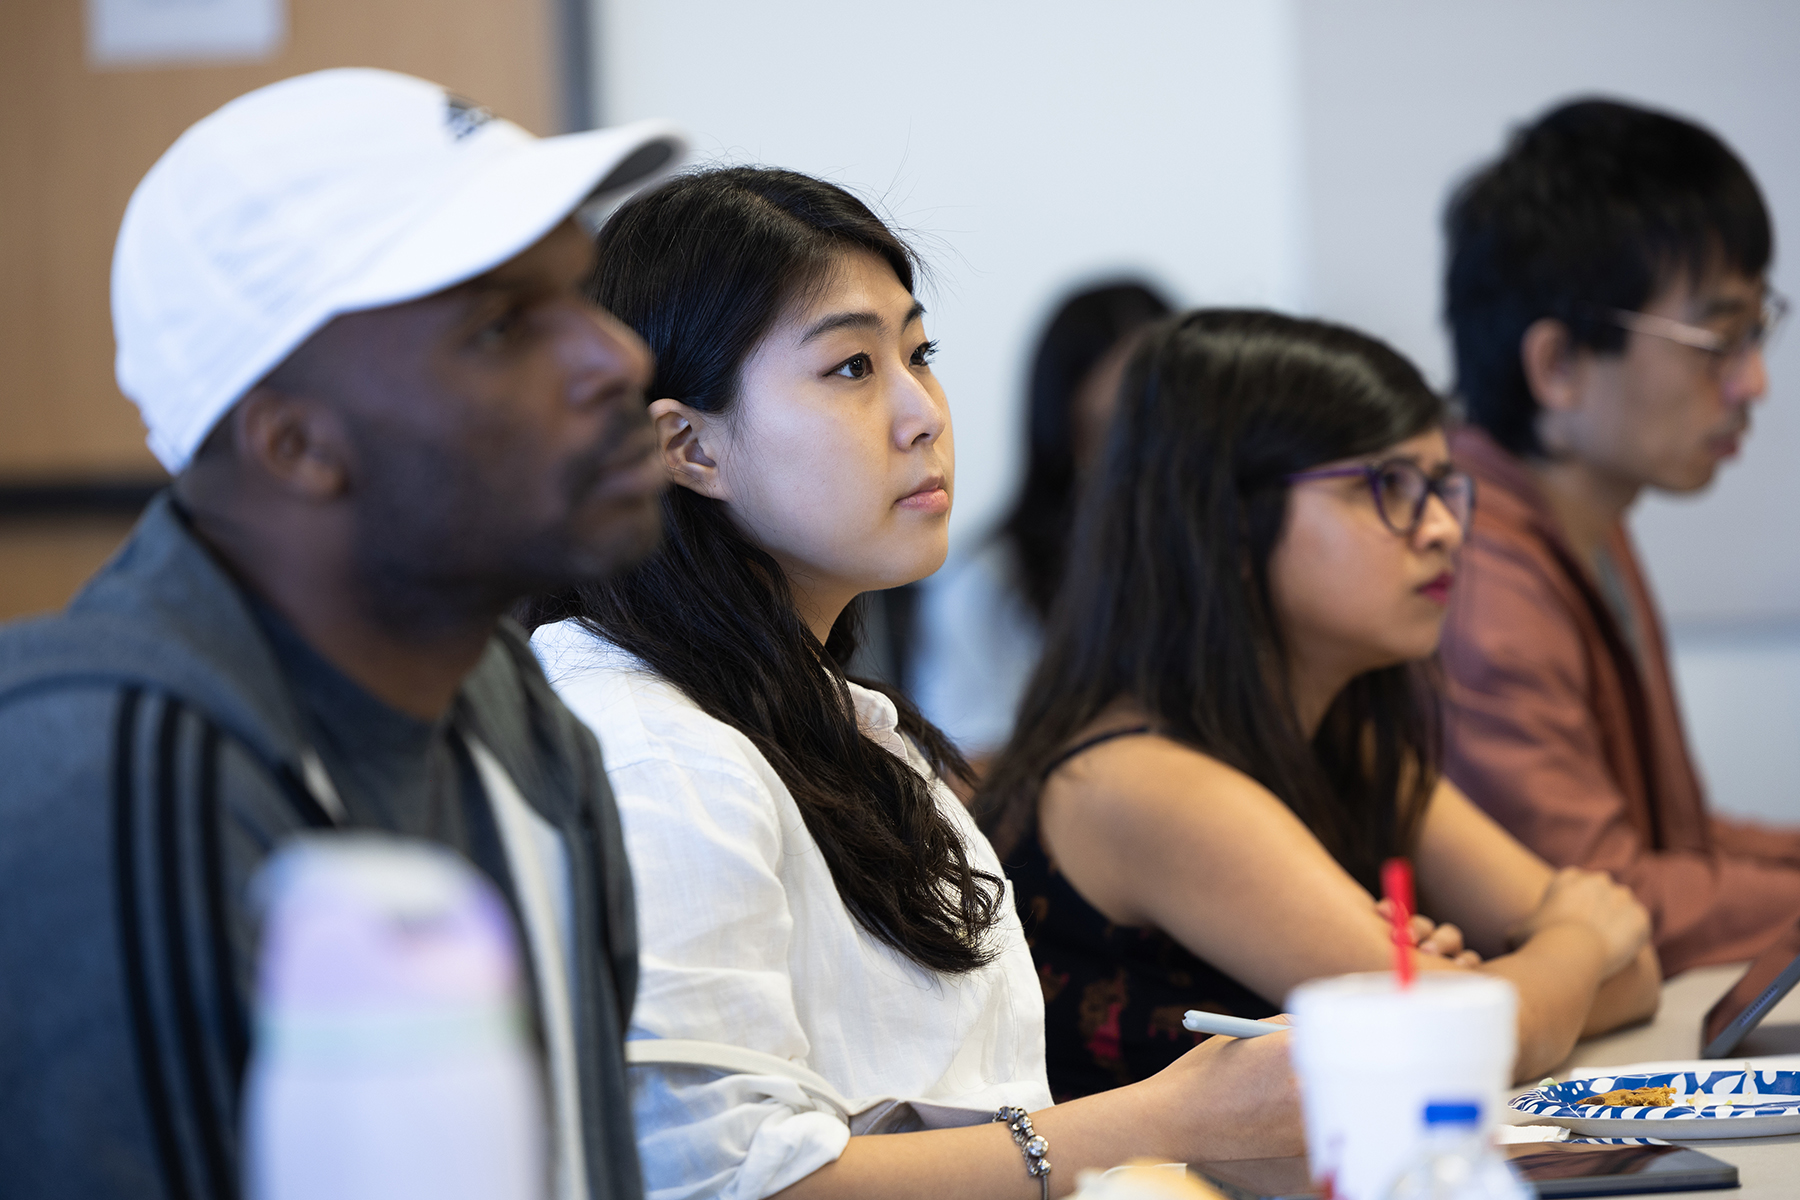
{"x": 143, "y": 33}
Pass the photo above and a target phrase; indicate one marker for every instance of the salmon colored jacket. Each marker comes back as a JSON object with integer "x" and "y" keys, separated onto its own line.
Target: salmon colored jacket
{"x": 1572, "y": 739}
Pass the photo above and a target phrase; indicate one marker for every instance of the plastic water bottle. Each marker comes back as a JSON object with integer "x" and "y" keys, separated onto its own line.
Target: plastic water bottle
{"x": 1458, "y": 1161}
{"x": 390, "y": 1058}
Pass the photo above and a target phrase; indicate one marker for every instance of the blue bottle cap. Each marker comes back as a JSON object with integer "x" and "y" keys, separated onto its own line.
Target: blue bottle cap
{"x": 1442, "y": 1112}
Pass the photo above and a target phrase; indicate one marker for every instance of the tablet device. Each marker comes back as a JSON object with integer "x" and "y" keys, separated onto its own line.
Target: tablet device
{"x": 1554, "y": 1170}
{"x": 1771, "y": 977}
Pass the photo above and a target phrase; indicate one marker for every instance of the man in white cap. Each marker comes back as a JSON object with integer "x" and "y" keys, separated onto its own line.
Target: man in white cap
{"x": 350, "y": 309}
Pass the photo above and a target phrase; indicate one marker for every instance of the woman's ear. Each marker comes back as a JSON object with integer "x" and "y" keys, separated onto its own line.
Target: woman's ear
{"x": 681, "y": 434}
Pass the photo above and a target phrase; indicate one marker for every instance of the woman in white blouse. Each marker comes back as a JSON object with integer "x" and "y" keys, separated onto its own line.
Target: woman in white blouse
{"x": 829, "y": 948}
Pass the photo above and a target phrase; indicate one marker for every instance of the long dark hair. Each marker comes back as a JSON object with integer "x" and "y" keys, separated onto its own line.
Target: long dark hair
{"x": 1080, "y": 332}
{"x": 703, "y": 268}
{"x": 1172, "y": 609}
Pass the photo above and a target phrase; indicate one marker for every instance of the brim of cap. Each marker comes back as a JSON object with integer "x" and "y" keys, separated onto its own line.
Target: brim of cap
{"x": 509, "y": 206}
{"x": 505, "y": 206}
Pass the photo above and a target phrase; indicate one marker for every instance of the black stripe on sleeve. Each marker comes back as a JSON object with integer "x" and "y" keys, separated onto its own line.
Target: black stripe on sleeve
{"x": 218, "y": 913}
{"x": 217, "y": 1174}
{"x": 154, "y": 1087}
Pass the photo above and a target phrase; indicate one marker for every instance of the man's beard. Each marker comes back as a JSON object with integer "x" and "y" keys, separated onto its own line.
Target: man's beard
{"x": 434, "y": 544}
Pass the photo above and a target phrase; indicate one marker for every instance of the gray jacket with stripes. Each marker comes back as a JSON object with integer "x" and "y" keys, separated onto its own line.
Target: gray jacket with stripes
{"x": 150, "y": 759}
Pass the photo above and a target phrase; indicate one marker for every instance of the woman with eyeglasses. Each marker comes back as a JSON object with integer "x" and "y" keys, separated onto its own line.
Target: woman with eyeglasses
{"x": 1235, "y": 721}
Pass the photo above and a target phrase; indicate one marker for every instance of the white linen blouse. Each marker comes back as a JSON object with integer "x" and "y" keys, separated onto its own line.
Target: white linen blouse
{"x": 744, "y": 941}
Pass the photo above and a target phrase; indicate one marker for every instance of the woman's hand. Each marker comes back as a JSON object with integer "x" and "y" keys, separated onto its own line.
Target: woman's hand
{"x": 1234, "y": 1098}
{"x": 1592, "y": 899}
{"x": 1428, "y": 937}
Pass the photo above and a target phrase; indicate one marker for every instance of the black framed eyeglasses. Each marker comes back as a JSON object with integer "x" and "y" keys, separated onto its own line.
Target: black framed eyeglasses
{"x": 1402, "y": 488}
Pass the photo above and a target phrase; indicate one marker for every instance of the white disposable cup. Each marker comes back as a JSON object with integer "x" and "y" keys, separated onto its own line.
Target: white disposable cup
{"x": 1371, "y": 1055}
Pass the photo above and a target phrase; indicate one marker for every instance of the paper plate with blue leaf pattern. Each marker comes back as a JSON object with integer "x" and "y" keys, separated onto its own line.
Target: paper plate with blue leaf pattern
{"x": 1708, "y": 1104}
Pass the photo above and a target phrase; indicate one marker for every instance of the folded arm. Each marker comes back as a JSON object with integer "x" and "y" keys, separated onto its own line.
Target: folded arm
{"x": 1226, "y": 1098}
{"x": 1522, "y": 741}
{"x": 1473, "y": 873}
{"x": 1154, "y": 833}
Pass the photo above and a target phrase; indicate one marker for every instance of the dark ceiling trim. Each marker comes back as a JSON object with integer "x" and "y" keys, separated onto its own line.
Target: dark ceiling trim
{"x": 78, "y": 498}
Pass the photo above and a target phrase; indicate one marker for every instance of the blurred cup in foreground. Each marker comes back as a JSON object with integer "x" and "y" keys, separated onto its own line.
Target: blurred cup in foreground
{"x": 1371, "y": 1055}
{"x": 390, "y": 1056}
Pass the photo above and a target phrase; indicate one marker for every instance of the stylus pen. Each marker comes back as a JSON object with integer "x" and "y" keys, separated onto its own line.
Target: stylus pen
{"x": 1208, "y": 1022}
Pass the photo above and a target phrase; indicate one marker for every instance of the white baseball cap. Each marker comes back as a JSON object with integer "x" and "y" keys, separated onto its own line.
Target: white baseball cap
{"x": 329, "y": 193}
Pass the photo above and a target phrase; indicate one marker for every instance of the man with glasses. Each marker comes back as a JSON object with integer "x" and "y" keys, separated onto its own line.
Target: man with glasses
{"x": 1607, "y": 297}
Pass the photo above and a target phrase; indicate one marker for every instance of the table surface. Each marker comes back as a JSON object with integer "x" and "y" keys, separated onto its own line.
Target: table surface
{"x": 1768, "y": 1168}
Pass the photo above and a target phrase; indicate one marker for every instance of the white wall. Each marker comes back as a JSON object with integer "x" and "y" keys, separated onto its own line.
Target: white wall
{"x": 1741, "y": 691}
{"x": 1027, "y": 146}
{"x": 1294, "y": 153}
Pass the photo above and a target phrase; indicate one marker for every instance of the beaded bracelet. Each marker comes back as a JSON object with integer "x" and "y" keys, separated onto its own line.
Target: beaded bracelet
{"x": 1028, "y": 1140}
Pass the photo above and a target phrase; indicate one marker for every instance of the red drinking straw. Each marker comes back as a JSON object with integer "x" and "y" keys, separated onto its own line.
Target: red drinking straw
{"x": 1397, "y": 886}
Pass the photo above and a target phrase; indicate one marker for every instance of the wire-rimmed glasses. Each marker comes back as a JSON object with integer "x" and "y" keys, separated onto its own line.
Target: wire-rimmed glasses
{"x": 1402, "y": 488}
{"x": 1727, "y": 352}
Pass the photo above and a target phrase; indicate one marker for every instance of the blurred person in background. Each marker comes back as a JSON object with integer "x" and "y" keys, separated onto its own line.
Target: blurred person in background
{"x": 1234, "y": 723}
{"x": 836, "y": 999}
{"x": 349, "y": 307}
{"x": 1608, "y": 298}
{"x": 980, "y": 625}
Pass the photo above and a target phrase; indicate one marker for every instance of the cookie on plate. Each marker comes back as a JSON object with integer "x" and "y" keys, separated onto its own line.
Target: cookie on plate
{"x": 1649, "y": 1097}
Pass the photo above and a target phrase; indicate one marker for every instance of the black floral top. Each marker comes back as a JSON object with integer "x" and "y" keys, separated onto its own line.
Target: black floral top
{"x": 1114, "y": 995}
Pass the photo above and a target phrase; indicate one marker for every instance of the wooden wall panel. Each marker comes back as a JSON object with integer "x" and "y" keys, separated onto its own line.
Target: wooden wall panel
{"x": 43, "y": 560}
{"x": 75, "y": 142}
